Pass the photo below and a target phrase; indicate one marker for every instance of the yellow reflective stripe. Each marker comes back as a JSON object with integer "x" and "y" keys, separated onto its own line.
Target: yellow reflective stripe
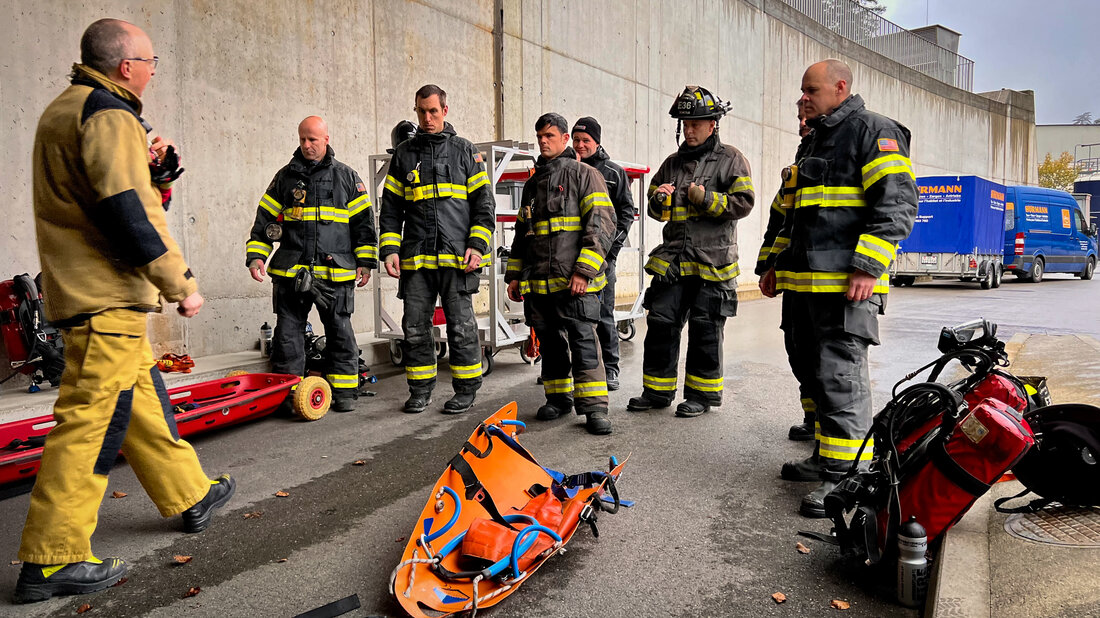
{"x": 708, "y": 272}
{"x": 590, "y": 389}
{"x": 740, "y": 184}
{"x": 340, "y": 380}
{"x": 846, "y": 456}
{"x": 271, "y": 205}
{"x": 465, "y": 372}
{"x": 394, "y": 186}
{"x": 659, "y": 384}
{"x": 359, "y": 204}
{"x": 481, "y": 232}
{"x": 778, "y": 205}
{"x": 325, "y": 213}
{"x": 827, "y": 197}
{"x": 877, "y": 249}
{"x": 439, "y": 190}
{"x": 255, "y": 246}
{"x": 443, "y": 260}
{"x": 717, "y": 204}
{"x": 590, "y": 258}
{"x": 557, "y": 284}
{"x": 47, "y": 571}
{"x": 337, "y": 275}
{"x": 651, "y": 190}
{"x": 475, "y": 182}
{"x": 822, "y": 282}
{"x": 366, "y": 252}
{"x": 678, "y": 213}
{"x": 890, "y": 164}
{"x": 656, "y": 266}
{"x": 553, "y": 387}
{"x": 423, "y": 372}
{"x": 557, "y": 224}
{"x": 708, "y": 385}
{"x": 515, "y": 264}
{"x": 808, "y": 405}
{"x": 390, "y": 239}
{"x": 596, "y": 198}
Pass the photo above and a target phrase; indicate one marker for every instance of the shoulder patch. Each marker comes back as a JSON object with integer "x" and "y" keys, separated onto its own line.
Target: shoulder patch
{"x": 887, "y": 145}
{"x": 478, "y": 157}
{"x": 100, "y": 99}
{"x": 360, "y": 187}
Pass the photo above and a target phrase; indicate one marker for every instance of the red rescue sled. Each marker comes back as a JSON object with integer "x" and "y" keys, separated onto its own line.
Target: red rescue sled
{"x": 198, "y": 408}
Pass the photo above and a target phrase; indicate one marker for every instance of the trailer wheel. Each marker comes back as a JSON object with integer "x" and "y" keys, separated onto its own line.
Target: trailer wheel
{"x": 312, "y": 398}
{"x": 987, "y": 280}
{"x": 1035, "y": 275}
{"x": 1090, "y": 267}
{"x": 397, "y": 353}
{"x": 998, "y": 274}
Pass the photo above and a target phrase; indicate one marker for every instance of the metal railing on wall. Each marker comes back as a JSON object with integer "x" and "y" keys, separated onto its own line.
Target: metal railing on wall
{"x": 869, "y": 29}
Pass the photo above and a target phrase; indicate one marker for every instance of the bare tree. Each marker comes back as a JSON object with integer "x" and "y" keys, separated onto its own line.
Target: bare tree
{"x": 1085, "y": 118}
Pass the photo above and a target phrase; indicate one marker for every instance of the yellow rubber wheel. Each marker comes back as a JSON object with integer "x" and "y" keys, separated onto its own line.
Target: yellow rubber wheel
{"x": 312, "y": 398}
{"x": 237, "y": 372}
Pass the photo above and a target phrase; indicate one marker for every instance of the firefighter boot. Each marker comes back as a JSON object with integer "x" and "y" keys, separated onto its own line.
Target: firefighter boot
{"x": 343, "y": 403}
{"x": 637, "y": 404}
{"x": 813, "y": 504}
{"x": 38, "y": 582}
{"x": 691, "y": 408}
{"x": 417, "y": 402}
{"x": 612, "y": 380}
{"x": 802, "y": 432}
{"x": 550, "y": 411}
{"x": 460, "y": 403}
{"x": 596, "y": 421}
{"x": 197, "y": 518}
{"x": 808, "y": 469}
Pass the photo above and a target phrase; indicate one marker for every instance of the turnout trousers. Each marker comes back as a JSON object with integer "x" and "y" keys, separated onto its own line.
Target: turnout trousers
{"x": 288, "y": 351}
{"x": 705, "y": 307}
{"x": 831, "y": 336}
{"x": 419, "y": 289}
{"x": 607, "y": 330}
{"x": 802, "y": 364}
{"x": 111, "y": 397}
{"x": 566, "y": 327}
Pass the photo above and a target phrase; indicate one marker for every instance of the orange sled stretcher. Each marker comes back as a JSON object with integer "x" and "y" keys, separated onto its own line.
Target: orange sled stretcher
{"x": 494, "y": 517}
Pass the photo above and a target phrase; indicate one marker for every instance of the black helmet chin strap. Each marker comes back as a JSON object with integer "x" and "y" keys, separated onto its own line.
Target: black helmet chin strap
{"x": 679, "y": 123}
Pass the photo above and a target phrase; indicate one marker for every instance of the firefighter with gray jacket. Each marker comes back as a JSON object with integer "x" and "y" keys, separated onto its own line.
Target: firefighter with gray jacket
{"x": 563, "y": 231}
{"x": 437, "y": 219}
{"x": 700, "y": 192}
{"x": 586, "y": 142}
{"x": 855, "y": 199}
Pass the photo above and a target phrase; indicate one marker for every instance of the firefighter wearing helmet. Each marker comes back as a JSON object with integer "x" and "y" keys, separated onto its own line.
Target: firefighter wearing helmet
{"x": 700, "y": 191}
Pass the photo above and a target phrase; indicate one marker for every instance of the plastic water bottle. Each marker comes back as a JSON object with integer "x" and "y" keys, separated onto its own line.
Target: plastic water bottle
{"x": 912, "y": 565}
{"x": 266, "y": 335}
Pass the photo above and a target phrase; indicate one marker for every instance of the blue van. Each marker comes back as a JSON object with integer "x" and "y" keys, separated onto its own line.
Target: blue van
{"x": 1046, "y": 232}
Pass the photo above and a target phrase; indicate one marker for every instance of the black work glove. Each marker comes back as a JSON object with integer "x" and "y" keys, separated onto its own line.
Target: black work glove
{"x": 166, "y": 171}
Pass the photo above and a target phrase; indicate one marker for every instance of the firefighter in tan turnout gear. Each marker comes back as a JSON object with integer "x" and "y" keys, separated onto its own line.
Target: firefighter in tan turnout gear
{"x": 556, "y": 267}
{"x": 700, "y": 191}
{"x": 855, "y": 199}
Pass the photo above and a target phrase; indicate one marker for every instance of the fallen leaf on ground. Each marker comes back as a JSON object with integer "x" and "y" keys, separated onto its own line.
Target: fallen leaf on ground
{"x": 192, "y": 591}
{"x": 838, "y": 604}
{"x": 121, "y": 581}
{"x": 779, "y": 597}
{"x": 399, "y": 540}
{"x": 83, "y": 608}
{"x": 359, "y": 462}
{"x": 181, "y": 559}
{"x": 281, "y": 560}
{"x": 281, "y": 494}
{"x": 802, "y": 549}
{"x": 254, "y": 515}
{"x": 118, "y": 494}
{"x": 17, "y": 562}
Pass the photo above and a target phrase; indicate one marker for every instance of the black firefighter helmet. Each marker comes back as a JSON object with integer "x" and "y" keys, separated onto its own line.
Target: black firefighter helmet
{"x": 697, "y": 103}
{"x": 401, "y": 131}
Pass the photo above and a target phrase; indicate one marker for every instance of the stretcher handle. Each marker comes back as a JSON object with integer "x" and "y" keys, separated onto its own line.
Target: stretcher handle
{"x": 454, "y": 517}
{"x": 517, "y": 550}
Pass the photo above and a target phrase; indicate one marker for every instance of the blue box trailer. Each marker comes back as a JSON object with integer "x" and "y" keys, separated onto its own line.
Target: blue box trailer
{"x": 958, "y": 232}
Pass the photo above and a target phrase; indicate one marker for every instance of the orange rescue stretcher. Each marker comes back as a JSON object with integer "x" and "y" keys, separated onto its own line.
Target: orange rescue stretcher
{"x": 493, "y": 518}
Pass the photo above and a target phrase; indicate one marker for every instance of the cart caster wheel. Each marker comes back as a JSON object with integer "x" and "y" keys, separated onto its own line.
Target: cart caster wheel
{"x": 440, "y": 349}
{"x": 529, "y": 352}
{"x": 627, "y": 330}
{"x": 486, "y": 361}
{"x": 312, "y": 398}
{"x": 397, "y": 353}
{"x": 236, "y": 372}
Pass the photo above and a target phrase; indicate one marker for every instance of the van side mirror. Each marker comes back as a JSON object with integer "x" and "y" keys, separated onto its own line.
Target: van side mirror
{"x": 1092, "y": 229}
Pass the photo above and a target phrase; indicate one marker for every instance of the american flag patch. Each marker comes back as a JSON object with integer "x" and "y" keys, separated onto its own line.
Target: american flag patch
{"x": 360, "y": 187}
{"x": 887, "y": 145}
{"x": 478, "y": 157}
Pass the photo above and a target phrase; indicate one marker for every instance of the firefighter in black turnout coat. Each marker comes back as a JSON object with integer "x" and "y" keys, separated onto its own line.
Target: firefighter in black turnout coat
{"x": 700, "y": 191}
{"x": 855, "y": 199}
{"x": 319, "y": 212}
{"x": 437, "y": 220}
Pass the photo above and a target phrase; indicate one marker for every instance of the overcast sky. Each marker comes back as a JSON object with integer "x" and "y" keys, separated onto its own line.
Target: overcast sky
{"x": 1049, "y": 46}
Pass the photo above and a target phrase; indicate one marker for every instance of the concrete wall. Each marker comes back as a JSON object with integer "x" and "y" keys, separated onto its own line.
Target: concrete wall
{"x": 236, "y": 77}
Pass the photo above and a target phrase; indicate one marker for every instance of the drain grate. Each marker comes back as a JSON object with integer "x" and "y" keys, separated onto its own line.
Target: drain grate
{"x": 1068, "y": 526}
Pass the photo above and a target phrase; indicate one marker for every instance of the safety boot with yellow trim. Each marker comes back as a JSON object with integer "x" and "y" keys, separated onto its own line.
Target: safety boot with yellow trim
{"x": 38, "y": 582}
